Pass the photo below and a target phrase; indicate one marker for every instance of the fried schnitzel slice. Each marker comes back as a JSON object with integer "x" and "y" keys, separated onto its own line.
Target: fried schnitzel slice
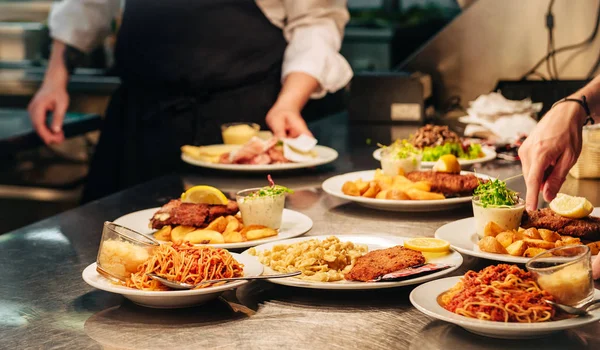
{"x": 383, "y": 261}
{"x": 189, "y": 214}
{"x": 586, "y": 228}
{"x": 446, "y": 183}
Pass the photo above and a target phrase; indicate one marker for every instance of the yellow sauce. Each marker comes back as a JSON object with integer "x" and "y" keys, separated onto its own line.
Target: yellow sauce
{"x": 239, "y": 134}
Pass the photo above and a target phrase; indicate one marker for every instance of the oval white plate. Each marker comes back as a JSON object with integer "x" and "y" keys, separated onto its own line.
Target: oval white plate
{"x": 333, "y": 186}
{"x": 424, "y": 298}
{"x": 293, "y": 224}
{"x": 373, "y": 243}
{"x": 488, "y": 154}
{"x": 325, "y": 155}
{"x": 173, "y": 298}
{"x": 462, "y": 236}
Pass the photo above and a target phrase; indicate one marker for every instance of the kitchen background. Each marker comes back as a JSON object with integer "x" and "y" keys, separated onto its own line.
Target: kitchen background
{"x": 465, "y": 46}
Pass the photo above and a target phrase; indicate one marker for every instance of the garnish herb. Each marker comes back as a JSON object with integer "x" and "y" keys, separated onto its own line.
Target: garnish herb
{"x": 272, "y": 190}
{"x": 495, "y": 193}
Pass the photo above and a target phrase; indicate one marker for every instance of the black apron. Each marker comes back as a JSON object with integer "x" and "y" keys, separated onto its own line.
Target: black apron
{"x": 186, "y": 68}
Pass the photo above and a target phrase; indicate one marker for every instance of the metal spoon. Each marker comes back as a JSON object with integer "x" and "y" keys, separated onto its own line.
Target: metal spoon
{"x": 579, "y": 311}
{"x": 180, "y": 285}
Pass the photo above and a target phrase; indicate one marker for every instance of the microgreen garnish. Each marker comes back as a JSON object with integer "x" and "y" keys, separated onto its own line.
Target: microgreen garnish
{"x": 271, "y": 190}
{"x": 495, "y": 193}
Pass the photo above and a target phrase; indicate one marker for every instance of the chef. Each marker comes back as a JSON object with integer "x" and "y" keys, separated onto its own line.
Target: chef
{"x": 186, "y": 68}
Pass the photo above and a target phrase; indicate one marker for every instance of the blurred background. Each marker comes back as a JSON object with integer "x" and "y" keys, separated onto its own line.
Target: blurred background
{"x": 436, "y": 54}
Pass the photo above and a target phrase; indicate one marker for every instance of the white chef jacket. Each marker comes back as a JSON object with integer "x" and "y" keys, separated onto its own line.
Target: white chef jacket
{"x": 313, "y": 29}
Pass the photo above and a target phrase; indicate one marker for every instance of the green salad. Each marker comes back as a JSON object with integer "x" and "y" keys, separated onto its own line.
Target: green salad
{"x": 495, "y": 193}
{"x": 431, "y": 154}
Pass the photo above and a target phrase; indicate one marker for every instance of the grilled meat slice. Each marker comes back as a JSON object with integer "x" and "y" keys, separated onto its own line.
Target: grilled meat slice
{"x": 383, "y": 261}
{"x": 189, "y": 214}
{"x": 586, "y": 228}
{"x": 446, "y": 183}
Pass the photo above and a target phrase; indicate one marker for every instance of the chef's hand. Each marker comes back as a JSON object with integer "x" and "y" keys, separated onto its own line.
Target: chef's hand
{"x": 286, "y": 122}
{"x": 284, "y": 118}
{"x": 550, "y": 151}
{"x": 51, "y": 97}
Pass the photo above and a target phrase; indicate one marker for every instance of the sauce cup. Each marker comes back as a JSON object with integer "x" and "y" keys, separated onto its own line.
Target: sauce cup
{"x": 238, "y": 133}
{"x": 507, "y": 217}
{"x": 261, "y": 210}
{"x": 565, "y": 273}
{"x": 391, "y": 163}
{"x": 121, "y": 251}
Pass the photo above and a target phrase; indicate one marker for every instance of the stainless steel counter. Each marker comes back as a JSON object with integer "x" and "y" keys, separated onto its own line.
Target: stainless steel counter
{"x": 46, "y": 304}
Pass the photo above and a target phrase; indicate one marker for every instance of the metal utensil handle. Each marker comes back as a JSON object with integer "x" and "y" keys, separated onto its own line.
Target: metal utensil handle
{"x": 261, "y": 277}
{"x": 587, "y": 305}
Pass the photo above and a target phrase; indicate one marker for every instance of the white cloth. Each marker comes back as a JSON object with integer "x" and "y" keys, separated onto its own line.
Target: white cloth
{"x": 313, "y": 29}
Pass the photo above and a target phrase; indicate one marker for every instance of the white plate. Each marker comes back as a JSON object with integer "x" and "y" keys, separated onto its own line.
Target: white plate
{"x": 173, "y": 298}
{"x": 333, "y": 186}
{"x": 373, "y": 243}
{"x": 488, "y": 154}
{"x": 324, "y": 155}
{"x": 462, "y": 236}
{"x": 293, "y": 224}
{"x": 424, "y": 298}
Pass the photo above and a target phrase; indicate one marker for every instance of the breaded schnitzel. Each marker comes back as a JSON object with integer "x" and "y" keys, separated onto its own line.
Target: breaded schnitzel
{"x": 446, "y": 183}
{"x": 189, "y": 214}
{"x": 383, "y": 261}
{"x": 587, "y": 228}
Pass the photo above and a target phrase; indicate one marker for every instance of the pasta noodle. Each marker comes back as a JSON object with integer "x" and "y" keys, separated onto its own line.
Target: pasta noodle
{"x": 322, "y": 261}
{"x": 502, "y": 293}
{"x": 185, "y": 263}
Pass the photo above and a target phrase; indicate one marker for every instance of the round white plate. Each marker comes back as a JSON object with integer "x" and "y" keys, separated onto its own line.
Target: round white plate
{"x": 325, "y": 155}
{"x": 293, "y": 224}
{"x": 333, "y": 186}
{"x": 173, "y": 298}
{"x": 488, "y": 154}
{"x": 424, "y": 298}
{"x": 373, "y": 243}
{"x": 462, "y": 236}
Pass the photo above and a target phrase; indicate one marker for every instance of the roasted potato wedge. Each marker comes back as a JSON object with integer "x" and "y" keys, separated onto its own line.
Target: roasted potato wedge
{"x": 362, "y": 186}
{"x": 396, "y": 195}
{"x": 204, "y": 237}
{"x": 531, "y": 252}
{"x": 518, "y": 248}
{"x": 179, "y": 232}
{"x": 538, "y": 243}
{"x": 417, "y": 194}
{"x": 233, "y": 237}
{"x": 164, "y": 234}
{"x": 491, "y": 245}
{"x": 492, "y": 229}
{"x": 532, "y": 233}
{"x": 506, "y": 238}
{"x": 254, "y": 232}
{"x": 594, "y": 247}
{"x": 219, "y": 224}
{"x": 569, "y": 239}
{"x": 382, "y": 194}
{"x": 349, "y": 188}
{"x": 548, "y": 235}
{"x": 372, "y": 191}
{"x": 232, "y": 224}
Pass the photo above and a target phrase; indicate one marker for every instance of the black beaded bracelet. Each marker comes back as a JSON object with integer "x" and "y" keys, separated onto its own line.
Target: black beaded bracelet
{"x": 582, "y": 103}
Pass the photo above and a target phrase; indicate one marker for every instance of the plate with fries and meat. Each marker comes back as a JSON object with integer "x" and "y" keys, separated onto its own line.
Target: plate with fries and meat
{"x": 400, "y": 185}
{"x": 204, "y": 215}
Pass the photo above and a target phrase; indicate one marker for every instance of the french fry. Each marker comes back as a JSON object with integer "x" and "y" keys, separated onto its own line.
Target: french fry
{"x": 232, "y": 237}
{"x": 219, "y": 224}
{"x": 204, "y": 237}
{"x": 179, "y": 232}
{"x": 164, "y": 234}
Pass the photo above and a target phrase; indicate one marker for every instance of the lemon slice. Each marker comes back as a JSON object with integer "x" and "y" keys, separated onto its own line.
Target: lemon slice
{"x": 447, "y": 164}
{"x": 204, "y": 195}
{"x": 427, "y": 244}
{"x": 571, "y": 207}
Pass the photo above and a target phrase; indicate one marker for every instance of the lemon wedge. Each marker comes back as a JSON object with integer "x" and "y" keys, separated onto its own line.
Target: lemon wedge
{"x": 571, "y": 207}
{"x": 447, "y": 164}
{"x": 428, "y": 244}
{"x": 204, "y": 195}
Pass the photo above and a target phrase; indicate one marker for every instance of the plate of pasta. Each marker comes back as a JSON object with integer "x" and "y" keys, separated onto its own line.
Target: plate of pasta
{"x": 178, "y": 262}
{"x": 500, "y": 301}
{"x": 353, "y": 262}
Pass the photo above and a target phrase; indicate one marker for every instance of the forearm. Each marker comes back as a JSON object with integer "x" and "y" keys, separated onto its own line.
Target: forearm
{"x": 56, "y": 73}
{"x": 296, "y": 90}
{"x": 592, "y": 94}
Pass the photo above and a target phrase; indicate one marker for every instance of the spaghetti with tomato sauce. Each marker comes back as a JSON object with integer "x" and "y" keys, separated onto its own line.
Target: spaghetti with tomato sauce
{"x": 502, "y": 293}
{"x": 185, "y": 263}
